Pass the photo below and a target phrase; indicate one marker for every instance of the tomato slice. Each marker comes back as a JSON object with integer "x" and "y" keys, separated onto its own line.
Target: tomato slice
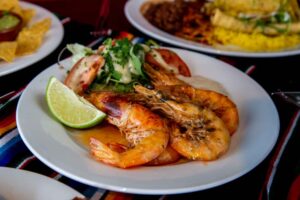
{"x": 172, "y": 59}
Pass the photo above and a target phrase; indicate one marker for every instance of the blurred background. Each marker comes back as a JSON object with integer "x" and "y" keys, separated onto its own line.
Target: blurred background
{"x": 87, "y": 11}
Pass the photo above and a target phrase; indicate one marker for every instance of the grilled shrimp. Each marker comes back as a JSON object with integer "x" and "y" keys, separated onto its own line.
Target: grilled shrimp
{"x": 198, "y": 133}
{"x": 168, "y": 156}
{"x": 185, "y": 114}
{"x": 84, "y": 72}
{"x": 218, "y": 103}
{"x": 145, "y": 131}
{"x": 208, "y": 142}
{"x": 159, "y": 76}
{"x": 182, "y": 92}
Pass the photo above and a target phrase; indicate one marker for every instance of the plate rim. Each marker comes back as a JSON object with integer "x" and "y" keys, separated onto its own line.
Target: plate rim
{"x": 183, "y": 43}
{"x": 155, "y": 191}
{"x": 41, "y": 177}
{"x": 57, "y": 42}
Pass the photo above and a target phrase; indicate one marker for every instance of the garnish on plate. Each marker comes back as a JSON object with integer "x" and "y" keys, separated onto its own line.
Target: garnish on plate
{"x": 123, "y": 64}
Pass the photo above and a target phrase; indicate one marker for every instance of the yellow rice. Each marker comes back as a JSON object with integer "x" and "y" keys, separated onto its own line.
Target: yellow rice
{"x": 255, "y": 41}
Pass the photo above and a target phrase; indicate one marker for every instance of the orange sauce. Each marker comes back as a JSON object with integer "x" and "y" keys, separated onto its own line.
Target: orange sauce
{"x": 107, "y": 134}
{"x": 104, "y": 132}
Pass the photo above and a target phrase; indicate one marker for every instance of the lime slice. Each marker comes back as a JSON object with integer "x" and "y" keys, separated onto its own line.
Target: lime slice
{"x": 69, "y": 108}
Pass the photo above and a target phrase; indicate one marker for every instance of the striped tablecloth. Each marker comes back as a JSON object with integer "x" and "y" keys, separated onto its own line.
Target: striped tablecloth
{"x": 277, "y": 175}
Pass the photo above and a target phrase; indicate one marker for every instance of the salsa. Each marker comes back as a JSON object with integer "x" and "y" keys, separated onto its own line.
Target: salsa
{"x": 8, "y": 21}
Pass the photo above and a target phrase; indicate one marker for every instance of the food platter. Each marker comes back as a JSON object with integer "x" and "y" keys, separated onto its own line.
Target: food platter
{"x": 52, "y": 39}
{"x": 22, "y": 184}
{"x": 133, "y": 14}
{"x": 52, "y": 143}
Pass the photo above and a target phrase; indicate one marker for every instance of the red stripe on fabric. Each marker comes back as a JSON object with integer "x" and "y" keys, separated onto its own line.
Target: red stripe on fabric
{"x": 163, "y": 197}
{"x": 294, "y": 192}
{"x": 250, "y": 70}
{"x": 53, "y": 174}
{"x": 8, "y": 123}
{"x": 65, "y": 20}
{"x": 276, "y": 153}
{"x": 118, "y": 196}
{"x": 26, "y": 162}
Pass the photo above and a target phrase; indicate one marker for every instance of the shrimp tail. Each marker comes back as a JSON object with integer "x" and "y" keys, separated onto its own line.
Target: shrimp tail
{"x": 98, "y": 149}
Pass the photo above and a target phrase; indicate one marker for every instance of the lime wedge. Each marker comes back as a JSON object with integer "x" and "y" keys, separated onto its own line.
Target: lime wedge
{"x": 69, "y": 108}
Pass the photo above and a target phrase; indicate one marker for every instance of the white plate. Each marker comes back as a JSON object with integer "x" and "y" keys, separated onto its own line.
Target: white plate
{"x": 26, "y": 185}
{"x": 51, "y": 40}
{"x": 255, "y": 138}
{"x": 133, "y": 14}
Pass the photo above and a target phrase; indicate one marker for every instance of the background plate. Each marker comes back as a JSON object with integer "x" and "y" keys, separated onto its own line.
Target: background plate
{"x": 133, "y": 14}
{"x": 50, "y": 141}
{"x": 51, "y": 40}
{"x": 26, "y": 185}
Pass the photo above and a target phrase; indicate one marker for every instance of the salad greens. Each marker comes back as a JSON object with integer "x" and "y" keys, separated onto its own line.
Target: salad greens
{"x": 123, "y": 64}
{"x": 79, "y": 51}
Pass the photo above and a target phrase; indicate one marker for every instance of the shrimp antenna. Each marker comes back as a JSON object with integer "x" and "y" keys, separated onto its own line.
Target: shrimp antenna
{"x": 59, "y": 57}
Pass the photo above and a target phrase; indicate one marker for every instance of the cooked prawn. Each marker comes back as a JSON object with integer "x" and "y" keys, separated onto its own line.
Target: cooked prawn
{"x": 168, "y": 156}
{"x": 185, "y": 114}
{"x": 182, "y": 92}
{"x": 218, "y": 103}
{"x": 160, "y": 76}
{"x": 207, "y": 143}
{"x": 198, "y": 133}
{"x": 84, "y": 72}
{"x": 146, "y": 132}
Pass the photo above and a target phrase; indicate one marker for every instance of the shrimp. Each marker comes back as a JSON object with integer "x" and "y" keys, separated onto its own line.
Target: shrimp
{"x": 206, "y": 143}
{"x": 197, "y": 133}
{"x": 185, "y": 114}
{"x": 145, "y": 131}
{"x": 182, "y": 92}
{"x": 84, "y": 72}
{"x": 159, "y": 76}
{"x": 218, "y": 103}
{"x": 168, "y": 156}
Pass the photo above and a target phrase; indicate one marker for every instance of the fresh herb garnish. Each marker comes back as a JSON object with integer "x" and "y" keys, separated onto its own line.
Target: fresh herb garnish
{"x": 121, "y": 51}
{"x": 123, "y": 64}
{"x": 137, "y": 57}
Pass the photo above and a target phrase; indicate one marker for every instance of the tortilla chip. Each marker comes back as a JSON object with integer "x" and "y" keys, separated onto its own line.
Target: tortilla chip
{"x": 8, "y": 51}
{"x": 9, "y": 4}
{"x": 30, "y": 39}
{"x": 27, "y": 15}
{"x": 42, "y": 26}
{"x": 18, "y": 10}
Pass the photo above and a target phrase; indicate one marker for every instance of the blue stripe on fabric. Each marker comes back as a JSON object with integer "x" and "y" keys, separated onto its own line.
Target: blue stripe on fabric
{"x": 89, "y": 191}
{"x": 10, "y": 149}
